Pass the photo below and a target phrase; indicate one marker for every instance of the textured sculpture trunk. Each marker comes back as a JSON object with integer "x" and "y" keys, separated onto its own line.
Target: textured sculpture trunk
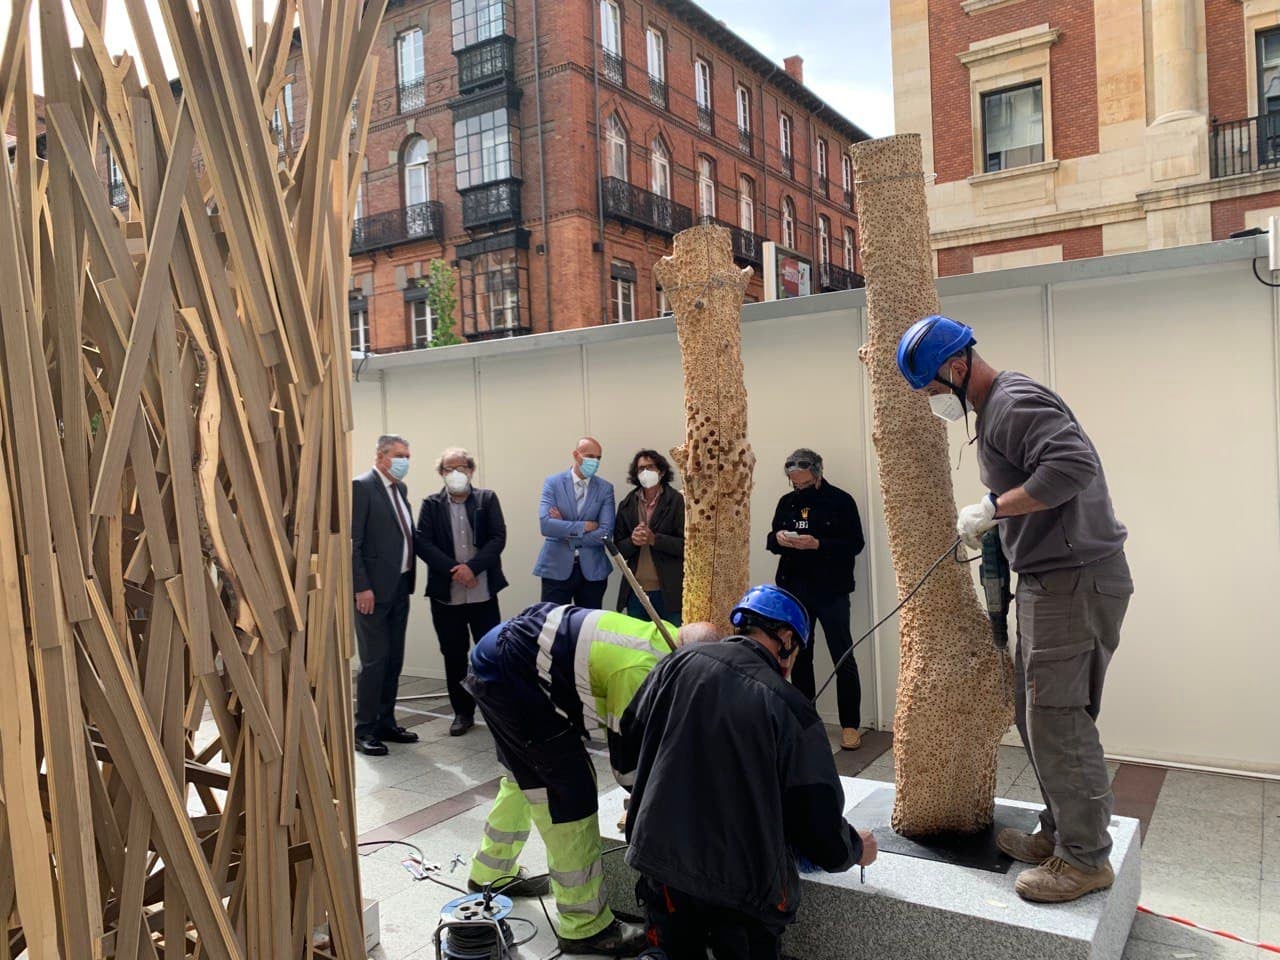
{"x": 953, "y": 700}
{"x": 706, "y": 291}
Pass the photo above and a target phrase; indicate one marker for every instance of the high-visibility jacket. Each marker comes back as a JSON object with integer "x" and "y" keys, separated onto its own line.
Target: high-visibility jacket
{"x": 588, "y": 663}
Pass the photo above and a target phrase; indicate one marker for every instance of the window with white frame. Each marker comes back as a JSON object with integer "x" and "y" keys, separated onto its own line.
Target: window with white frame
{"x": 115, "y": 181}
{"x": 417, "y": 176}
{"x": 610, "y": 28}
{"x": 784, "y": 136}
{"x": 788, "y": 223}
{"x": 409, "y": 59}
{"x": 422, "y": 323}
{"x": 282, "y": 128}
{"x": 500, "y": 292}
{"x": 656, "y": 47}
{"x": 1012, "y": 127}
{"x": 702, "y": 83}
{"x": 357, "y": 311}
{"x": 664, "y": 305}
{"x": 623, "y": 291}
{"x": 822, "y": 163}
{"x": 846, "y": 174}
{"x": 706, "y": 187}
{"x": 615, "y": 136}
{"x": 660, "y": 168}
{"x": 824, "y": 240}
{"x": 850, "y": 249}
{"x": 475, "y": 21}
{"x": 744, "y": 110}
{"x": 746, "y": 203}
{"x": 358, "y": 213}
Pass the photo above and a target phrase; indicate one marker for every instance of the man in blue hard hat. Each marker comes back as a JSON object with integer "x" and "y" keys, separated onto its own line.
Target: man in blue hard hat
{"x": 735, "y": 789}
{"x": 1049, "y": 496}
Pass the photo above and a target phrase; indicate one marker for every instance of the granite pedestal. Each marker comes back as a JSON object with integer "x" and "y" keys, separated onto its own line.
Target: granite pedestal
{"x": 913, "y": 908}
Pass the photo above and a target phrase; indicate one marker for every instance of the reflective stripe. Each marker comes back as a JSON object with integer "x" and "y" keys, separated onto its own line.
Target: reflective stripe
{"x": 493, "y": 863}
{"x": 505, "y": 836}
{"x": 582, "y": 667}
{"x": 578, "y": 878}
{"x": 546, "y": 640}
{"x": 535, "y": 794}
{"x": 613, "y": 723}
{"x": 588, "y": 908}
{"x": 625, "y": 779}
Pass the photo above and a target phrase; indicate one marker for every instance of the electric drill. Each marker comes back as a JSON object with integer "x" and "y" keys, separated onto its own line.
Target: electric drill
{"x": 993, "y": 571}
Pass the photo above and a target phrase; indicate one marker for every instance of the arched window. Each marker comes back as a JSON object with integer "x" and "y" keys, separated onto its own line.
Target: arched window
{"x": 417, "y": 177}
{"x": 824, "y": 240}
{"x": 706, "y": 187}
{"x": 788, "y": 223}
{"x": 746, "y": 204}
{"x": 660, "y": 168}
{"x": 615, "y": 135}
{"x": 849, "y": 249}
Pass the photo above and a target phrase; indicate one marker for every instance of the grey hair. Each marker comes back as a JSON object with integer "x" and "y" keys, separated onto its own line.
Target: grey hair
{"x": 804, "y": 453}
{"x": 698, "y": 632}
{"x": 451, "y": 452}
{"x": 388, "y": 440}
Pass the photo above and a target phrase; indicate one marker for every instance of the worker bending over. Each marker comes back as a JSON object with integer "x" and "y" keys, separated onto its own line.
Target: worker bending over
{"x": 542, "y": 680}
{"x": 1060, "y": 534}
{"x": 734, "y": 780}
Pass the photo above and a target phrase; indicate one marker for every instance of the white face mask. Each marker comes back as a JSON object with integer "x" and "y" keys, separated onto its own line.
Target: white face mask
{"x": 455, "y": 481}
{"x": 648, "y": 478}
{"x": 947, "y": 406}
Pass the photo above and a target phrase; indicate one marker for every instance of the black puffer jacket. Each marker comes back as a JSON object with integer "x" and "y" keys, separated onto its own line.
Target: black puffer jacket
{"x": 733, "y": 772}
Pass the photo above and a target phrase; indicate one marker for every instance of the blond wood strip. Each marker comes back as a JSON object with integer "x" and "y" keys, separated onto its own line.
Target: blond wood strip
{"x": 241, "y": 680}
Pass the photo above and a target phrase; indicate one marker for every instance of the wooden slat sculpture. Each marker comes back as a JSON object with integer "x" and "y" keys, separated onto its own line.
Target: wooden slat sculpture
{"x": 953, "y": 702}
{"x": 174, "y": 485}
{"x": 715, "y": 460}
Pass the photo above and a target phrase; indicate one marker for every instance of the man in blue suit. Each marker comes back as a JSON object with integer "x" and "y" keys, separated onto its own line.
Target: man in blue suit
{"x": 575, "y": 515}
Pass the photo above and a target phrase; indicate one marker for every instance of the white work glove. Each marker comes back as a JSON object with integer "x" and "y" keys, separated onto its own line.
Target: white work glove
{"x": 976, "y": 520}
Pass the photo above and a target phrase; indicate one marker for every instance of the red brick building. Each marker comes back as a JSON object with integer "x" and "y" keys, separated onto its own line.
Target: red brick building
{"x": 1060, "y": 129}
{"x": 553, "y": 175}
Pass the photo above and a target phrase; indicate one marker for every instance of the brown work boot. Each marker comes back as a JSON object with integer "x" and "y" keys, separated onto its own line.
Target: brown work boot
{"x": 1028, "y": 847}
{"x": 1056, "y": 881}
{"x": 850, "y": 738}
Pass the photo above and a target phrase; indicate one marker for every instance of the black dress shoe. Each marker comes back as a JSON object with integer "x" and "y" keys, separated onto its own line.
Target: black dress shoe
{"x": 371, "y": 746}
{"x": 461, "y": 725}
{"x": 618, "y": 939}
{"x": 398, "y": 735}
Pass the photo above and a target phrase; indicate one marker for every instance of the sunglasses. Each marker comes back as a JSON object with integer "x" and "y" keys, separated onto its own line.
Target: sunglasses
{"x": 798, "y": 465}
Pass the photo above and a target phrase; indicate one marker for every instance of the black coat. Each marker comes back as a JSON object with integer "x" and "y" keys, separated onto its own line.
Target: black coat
{"x": 377, "y": 539}
{"x": 668, "y": 544}
{"x": 830, "y": 515}
{"x": 433, "y": 540}
{"x": 733, "y": 772}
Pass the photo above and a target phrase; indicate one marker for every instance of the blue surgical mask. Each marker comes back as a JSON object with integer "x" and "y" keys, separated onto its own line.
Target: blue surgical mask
{"x": 589, "y": 466}
{"x": 399, "y": 468}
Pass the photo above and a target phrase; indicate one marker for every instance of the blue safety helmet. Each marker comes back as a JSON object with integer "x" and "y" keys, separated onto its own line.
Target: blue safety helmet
{"x": 773, "y": 603}
{"x": 928, "y": 344}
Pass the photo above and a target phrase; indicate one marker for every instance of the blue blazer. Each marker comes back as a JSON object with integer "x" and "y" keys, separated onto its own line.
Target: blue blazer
{"x": 563, "y": 537}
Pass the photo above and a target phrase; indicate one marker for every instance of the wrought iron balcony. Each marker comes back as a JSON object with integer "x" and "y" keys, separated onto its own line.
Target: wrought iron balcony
{"x": 118, "y": 194}
{"x": 744, "y": 140}
{"x": 789, "y": 165}
{"x": 413, "y": 95}
{"x": 490, "y": 204}
{"x": 658, "y": 92}
{"x": 631, "y": 204}
{"x": 832, "y": 277}
{"x": 748, "y": 247}
{"x": 501, "y": 329}
{"x": 490, "y": 62}
{"x": 420, "y": 221}
{"x": 1244, "y": 146}
{"x": 614, "y": 69}
{"x": 822, "y": 186}
{"x": 706, "y": 119}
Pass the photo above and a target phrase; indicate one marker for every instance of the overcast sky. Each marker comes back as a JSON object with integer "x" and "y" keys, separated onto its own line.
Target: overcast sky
{"x": 845, "y": 45}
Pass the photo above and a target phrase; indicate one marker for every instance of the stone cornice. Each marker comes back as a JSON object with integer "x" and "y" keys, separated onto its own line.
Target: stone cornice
{"x": 1031, "y": 226}
{"x": 978, "y": 6}
{"x": 1222, "y": 188}
{"x": 1030, "y": 39}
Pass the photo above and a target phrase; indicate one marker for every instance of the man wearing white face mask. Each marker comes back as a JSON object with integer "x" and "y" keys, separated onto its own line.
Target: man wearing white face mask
{"x": 575, "y": 516}
{"x": 460, "y": 537}
{"x": 1061, "y": 536}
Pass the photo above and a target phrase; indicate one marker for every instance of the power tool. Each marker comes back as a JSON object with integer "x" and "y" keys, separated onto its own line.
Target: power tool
{"x": 993, "y": 571}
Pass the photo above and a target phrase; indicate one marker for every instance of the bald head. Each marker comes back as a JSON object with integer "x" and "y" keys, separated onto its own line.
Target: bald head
{"x": 586, "y": 456}
{"x": 698, "y": 632}
{"x": 588, "y": 447}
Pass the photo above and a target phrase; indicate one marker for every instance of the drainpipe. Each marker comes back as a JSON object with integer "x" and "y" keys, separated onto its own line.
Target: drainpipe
{"x": 542, "y": 166}
{"x": 595, "y": 74}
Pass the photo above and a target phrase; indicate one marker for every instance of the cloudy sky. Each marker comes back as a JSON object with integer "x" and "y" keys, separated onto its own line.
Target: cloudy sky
{"x": 845, "y": 45}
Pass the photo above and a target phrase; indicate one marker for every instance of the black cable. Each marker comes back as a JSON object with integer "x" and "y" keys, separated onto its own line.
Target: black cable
{"x": 420, "y": 858}
{"x": 901, "y": 603}
{"x": 1266, "y": 283}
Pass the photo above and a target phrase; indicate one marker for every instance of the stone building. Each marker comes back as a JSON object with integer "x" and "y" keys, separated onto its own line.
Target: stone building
{"x": 1060, "y": 129}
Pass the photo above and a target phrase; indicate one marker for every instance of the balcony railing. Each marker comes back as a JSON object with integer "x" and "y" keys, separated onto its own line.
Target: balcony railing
{"x": 822, "y": 186}
{"x": 748, "y": 247}
{"x": 706, "y": 119}
{"x": 500, "y": 330}
{"x": 413, "y": 95}
{"x": 420, "y": 221}
{"x": 118, "y": 194}
{"x": 789, "y": 165}
{"x": 630, "y": 204}
{"x": 658, "y": 92}
{"x": 490, "y": 204}
{"x": 832, "y": 277}
{"x": 613, "y": 68}
{"x": 1244, "y": 146}
{"x": 744, "y": 141}
{"x": 486, "y": 63}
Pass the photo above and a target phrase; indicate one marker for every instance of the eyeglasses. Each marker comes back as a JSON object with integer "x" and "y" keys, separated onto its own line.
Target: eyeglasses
{"x": 798, "y": 465}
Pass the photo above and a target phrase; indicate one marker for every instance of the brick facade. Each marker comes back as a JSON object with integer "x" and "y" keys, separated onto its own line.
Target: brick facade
{"x": 1225, "y": 59}
{"x": 1227, "y": 216}
{"x": 1076, "y": 245}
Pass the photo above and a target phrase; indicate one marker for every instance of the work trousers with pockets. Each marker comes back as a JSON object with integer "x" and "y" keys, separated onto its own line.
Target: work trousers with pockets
{"x": 458, "y": 625}
{"x": 1068, "y": 628}
{"x": 550, "y": 783}
{"x": 380, "y": 640}
{"x": 831, "y": 610}
{"x": 680, "y": 926}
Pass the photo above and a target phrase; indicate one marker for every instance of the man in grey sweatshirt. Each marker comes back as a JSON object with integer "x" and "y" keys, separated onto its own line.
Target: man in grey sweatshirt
{"x": 1049, "y": 496}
